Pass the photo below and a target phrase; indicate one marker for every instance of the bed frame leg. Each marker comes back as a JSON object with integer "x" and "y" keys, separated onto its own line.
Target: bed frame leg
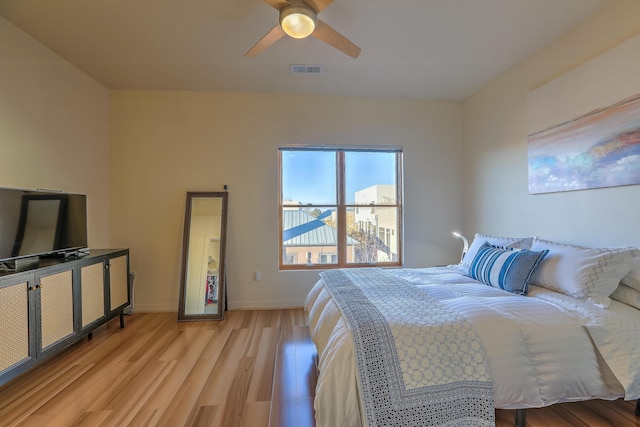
{"x": 638, "y": 408}
{"x": 521, "y": 418}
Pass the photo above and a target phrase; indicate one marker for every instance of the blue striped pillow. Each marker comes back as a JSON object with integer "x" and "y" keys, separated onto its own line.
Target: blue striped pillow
{"x": 505, "y": 268}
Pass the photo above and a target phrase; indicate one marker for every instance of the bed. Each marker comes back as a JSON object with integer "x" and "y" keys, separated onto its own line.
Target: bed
{"x": 450, "y": 348}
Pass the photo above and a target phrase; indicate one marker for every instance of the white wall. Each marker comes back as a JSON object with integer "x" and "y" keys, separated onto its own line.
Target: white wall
{"x": 166, "y": 143}
{"x": 496, "y": 199}
{"x": 54, "y": 126}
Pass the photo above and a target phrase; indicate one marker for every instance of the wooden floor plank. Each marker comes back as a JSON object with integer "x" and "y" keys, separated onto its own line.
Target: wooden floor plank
{"x": 256, "y": 414}
{"x": 219, "y": 382}
{"x": 34, "y": 421}
{"x": 65, "y": 407}
{"x": 182, "y": 367}
{"x": 123, "y": 406}
{"x": 181, "y": 406}
{"x": 20, "y": 403}
{"x": 262, "y": 378}
{"x": 253, "y": 369}
{"x": 144, "y": 418}
{"x": 238, "y": 390}
{"x": 91, "y": 419}
{"x": 204, "y": 416}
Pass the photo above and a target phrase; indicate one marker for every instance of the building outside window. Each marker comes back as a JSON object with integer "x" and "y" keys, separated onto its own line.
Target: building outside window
{"x": 321, "y": 192}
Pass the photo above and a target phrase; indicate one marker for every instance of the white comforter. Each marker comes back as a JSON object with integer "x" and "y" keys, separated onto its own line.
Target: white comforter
{"x": 539, "y": 348}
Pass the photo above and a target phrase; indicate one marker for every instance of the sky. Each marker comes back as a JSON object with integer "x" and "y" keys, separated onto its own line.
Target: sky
{"x": 310, "y": 176}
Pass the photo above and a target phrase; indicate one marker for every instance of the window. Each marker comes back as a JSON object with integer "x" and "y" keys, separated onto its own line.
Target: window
{"x": 321, "y": 192}
{"x": 292, "y": 258}
{"x": 328, "y": 258}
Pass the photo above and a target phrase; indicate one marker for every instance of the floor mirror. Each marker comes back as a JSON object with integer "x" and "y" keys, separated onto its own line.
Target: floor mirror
{"x": 203, "y": 284}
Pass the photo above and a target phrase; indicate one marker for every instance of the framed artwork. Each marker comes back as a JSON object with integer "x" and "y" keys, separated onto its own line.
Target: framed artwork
{"x": 600, "y": 149}
{"x": 584, "y": 127}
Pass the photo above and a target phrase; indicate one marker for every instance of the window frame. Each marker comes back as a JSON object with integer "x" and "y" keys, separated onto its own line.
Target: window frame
{"x": 342, "y": 208}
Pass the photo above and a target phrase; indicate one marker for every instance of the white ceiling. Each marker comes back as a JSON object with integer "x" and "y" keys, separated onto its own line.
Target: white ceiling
{"x": 436, "y": 49}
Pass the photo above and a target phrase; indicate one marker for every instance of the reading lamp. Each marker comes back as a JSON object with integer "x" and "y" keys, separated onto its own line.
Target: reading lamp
{"x": 465, "y": 241}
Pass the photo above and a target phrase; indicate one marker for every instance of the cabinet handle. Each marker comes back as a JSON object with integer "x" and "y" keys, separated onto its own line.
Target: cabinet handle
{"x": 32, "y": 288}
{"x": 37, "y": 286}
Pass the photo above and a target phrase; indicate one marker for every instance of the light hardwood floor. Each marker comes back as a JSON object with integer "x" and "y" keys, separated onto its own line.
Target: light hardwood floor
{"x": 255, "y": 368}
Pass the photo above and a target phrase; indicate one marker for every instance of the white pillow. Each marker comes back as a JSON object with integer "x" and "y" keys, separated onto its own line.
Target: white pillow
{"x": 505, "y": 242}
{"x": 632, "y": 279}
{"x": 581, "y": 272}
{"x": 627, "y": 295}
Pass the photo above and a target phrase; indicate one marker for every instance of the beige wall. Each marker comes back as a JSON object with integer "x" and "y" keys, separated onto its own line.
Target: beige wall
{"x": 166, "y": 143}
{"x": 54, "y": 126}
{"x": 55, "y": 129}
{"x": 496, "y": 198}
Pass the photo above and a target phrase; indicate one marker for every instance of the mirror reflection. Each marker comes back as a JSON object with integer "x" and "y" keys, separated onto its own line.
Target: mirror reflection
{"x": 202, "y": 288}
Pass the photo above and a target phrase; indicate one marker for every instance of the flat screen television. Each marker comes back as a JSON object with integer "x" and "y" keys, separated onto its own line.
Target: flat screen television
{"x": 39, "y": 223}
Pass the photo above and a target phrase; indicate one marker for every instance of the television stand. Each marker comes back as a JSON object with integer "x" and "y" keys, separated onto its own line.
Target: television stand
{"x": 49, "y": 307}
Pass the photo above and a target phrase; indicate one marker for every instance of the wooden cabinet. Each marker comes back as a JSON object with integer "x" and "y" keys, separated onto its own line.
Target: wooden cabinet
{"x": 48, "y": 308}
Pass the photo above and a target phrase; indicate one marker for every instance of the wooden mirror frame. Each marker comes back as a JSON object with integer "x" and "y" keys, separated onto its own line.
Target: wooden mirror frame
{"x": 222, "y": 285}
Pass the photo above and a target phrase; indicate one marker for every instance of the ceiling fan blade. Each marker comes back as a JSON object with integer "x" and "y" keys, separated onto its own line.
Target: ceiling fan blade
{"x": 277, "y": 4}
{"x": 328, "y": 35}
{"x": 272, "y": 36}
{"x": 319, "y": 5}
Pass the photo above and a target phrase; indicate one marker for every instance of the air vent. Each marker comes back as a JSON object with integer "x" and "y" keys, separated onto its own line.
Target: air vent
{"x": 305, "y": 69}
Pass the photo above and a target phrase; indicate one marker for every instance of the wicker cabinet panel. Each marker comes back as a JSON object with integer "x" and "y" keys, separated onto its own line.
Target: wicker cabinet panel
{"x": 92, "y": 290}
{"x": 119, "y": 281}
{"x": 56, "y": 307}
{"x": 14, "y": 324}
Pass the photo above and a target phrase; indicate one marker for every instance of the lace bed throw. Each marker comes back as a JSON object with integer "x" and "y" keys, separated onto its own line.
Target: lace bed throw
{"x": 419, "y": 363}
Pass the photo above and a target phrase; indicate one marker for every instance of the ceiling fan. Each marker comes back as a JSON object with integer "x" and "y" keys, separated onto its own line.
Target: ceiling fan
{"x": 299, "y": 19}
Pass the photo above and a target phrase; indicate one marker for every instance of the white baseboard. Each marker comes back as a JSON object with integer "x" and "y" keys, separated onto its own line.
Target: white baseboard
{"x": 154, "y": 308}
{"x": 261, "y": 305}
{"x": 243, "y": 305}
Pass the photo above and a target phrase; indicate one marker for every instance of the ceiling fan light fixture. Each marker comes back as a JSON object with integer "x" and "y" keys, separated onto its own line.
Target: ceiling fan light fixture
{"x": 298, "y": 21}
